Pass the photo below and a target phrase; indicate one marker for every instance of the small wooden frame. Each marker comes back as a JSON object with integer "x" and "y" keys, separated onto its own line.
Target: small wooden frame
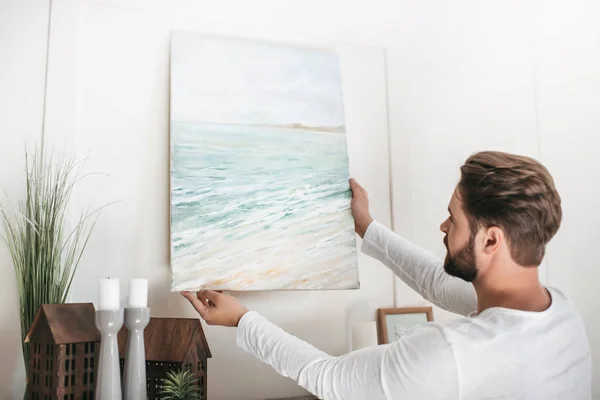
{"x": 407, "y": 317}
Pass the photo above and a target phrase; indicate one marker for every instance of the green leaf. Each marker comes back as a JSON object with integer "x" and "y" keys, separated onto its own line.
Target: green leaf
{"x": 180, "y": 385}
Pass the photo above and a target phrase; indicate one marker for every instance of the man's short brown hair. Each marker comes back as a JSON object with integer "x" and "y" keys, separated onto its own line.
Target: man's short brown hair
{"x": 515, "y": 193}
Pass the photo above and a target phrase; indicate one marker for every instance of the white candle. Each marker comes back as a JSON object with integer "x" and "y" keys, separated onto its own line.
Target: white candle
{"x": 138, "y": 293}
{"x": 364, "y": 334}
{"x": 109, "y": 294}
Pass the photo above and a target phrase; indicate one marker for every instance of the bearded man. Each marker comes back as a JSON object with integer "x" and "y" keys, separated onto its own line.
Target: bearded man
{"x": 514, "y": 338}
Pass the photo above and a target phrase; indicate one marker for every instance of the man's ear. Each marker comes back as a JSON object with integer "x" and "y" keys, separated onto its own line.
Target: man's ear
{"x": 492, "y": 239}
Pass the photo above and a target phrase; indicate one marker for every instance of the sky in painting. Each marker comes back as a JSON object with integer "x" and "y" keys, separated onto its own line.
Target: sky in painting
{"x": 245, "y": 82}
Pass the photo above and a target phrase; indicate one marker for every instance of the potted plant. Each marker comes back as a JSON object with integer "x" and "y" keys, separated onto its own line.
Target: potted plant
{"x": 180, "y": 385}
{"x": 45, "y": 254}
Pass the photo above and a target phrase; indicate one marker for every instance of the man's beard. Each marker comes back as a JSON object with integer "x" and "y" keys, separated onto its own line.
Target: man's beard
{"x": 462, "y": 264}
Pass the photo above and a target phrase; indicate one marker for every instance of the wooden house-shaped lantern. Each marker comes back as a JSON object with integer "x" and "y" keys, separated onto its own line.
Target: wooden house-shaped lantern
{"x": 64, "y": 343}
{"x": 171, "y": 344}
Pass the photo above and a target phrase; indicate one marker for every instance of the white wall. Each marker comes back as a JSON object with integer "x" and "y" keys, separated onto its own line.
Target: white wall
{"x": 462, "y": 76}
{"x": 567, "y": 65}
{"x": 23, "y": 34}
{"x": 521, "y": 76}
{"x": 108, "y": 95}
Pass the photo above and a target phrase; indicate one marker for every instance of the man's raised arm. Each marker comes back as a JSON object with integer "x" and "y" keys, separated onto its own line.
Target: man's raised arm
{"x": 418, "y": 268}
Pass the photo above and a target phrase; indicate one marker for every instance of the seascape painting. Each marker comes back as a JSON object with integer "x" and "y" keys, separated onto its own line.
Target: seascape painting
{"x": 260, "y": 196}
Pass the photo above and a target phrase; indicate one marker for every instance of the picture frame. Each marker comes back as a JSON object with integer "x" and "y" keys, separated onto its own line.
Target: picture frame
{"x": 392, "y": 323}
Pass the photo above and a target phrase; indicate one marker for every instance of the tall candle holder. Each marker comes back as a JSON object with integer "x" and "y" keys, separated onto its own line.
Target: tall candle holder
{"x": 134, "y": 374}
{"x": 108, "y": 385}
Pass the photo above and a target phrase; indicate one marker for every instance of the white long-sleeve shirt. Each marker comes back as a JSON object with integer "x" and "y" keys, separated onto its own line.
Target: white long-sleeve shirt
{"x": 498, "y": 354}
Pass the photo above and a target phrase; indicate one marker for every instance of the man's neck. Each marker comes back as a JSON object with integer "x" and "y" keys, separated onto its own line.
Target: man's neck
{"x": 517, "y": 294}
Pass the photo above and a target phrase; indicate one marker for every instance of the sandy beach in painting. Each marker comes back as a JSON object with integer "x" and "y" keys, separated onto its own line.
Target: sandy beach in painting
{"x": 262, "y": 203}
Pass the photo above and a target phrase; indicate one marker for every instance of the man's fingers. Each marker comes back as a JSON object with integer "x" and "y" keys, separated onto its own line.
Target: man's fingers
{"x": 357, "y": 189}
{"x": 188, "y": 296}
{"x": 199, "y": 305}
{"x": 210, "y": 295}
{"x": 203, "y": 300}
{"x": 354, "y": 186}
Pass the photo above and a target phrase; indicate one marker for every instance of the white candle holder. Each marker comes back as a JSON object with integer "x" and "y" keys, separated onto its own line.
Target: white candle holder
{"x": 108, "y": 385}
{"x": 134, "y": 375}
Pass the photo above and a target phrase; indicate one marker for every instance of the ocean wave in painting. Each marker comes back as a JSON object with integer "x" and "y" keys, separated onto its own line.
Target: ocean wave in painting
{"x": 260, "y": 208}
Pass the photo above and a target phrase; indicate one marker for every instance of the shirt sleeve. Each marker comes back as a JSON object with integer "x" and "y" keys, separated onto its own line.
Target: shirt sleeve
{"x": 419, "y": 365}
{"x": 419, "y": 269}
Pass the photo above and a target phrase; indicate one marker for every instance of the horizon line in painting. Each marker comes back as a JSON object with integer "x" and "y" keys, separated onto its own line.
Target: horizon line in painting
{"x": 260, "y": 195}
